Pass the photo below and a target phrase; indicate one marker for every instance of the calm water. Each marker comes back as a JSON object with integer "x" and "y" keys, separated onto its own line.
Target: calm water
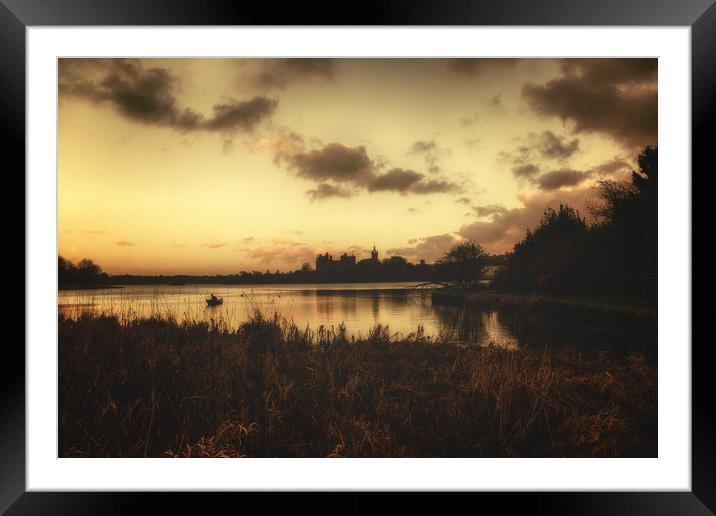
{"x": 359, "y": 306}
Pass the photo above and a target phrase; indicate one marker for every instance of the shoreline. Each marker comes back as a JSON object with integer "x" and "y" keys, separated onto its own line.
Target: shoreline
{"x": 272, "y": 390}
{"x": 637, "y": 308}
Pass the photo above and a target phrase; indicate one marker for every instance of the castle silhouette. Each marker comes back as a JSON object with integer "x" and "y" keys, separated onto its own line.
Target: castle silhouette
{"x": 346, "y": 263}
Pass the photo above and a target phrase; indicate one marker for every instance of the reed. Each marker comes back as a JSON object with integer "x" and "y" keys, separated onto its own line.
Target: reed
{"x": 155, "y": 387}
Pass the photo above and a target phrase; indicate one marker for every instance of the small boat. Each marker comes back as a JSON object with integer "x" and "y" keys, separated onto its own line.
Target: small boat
{"x": 215, "y": 301}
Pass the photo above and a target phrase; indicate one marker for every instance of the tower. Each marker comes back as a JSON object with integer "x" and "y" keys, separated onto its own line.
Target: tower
{"x": 374, "y": 254}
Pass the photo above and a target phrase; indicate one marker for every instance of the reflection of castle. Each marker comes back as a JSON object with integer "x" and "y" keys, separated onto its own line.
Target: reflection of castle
{"x": 346, "y": 263}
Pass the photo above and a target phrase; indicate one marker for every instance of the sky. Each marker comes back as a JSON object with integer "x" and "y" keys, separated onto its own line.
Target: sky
{"x": 213, "y": 166}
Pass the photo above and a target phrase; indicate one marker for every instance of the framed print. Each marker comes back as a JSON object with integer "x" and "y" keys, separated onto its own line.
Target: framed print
{"x": 429, "y": 251}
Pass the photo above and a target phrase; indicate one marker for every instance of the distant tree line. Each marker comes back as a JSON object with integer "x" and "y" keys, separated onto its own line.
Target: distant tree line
{"x": 395, "y": 268}
{"x": 615, "y": 255}
{"x": 84, "y": 273}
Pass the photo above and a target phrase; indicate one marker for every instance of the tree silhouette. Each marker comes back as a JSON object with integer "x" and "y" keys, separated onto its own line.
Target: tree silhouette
{"x": 85, "y": 274}
{"x": 463, "y": 264}
{"x": 627, "y": 224}
{"x": 616, "y": 255}
{"x": 551, "y": 254}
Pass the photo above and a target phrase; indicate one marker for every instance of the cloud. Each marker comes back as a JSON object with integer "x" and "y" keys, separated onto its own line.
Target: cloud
{"x": 93, "y": 232}
{"x": 508, "y": 226}
{"x": 538, "y": 147}
{"x": 422, "y": 146}
{"x": 125, "y": 243}
{"x": 335, "y": 161}
{"x": 559, "y": 178}
{"x": 526, "y": 170}
{"x": 396, "y": 180}
{"x": 490, "y": 209}
{"x": 279, "y": 73}
{"x": 337, "y": 164}
{"x": 552, "y": 146}
{"x": 409, "y": 181}
{"x": 428, "y": 248}
{"x": 432, "y": 154}
{"x": 326, "y": 190}
{"x": 614, "y": 97}
{"x": 467, "y": 67}
{"x": 463, "y": 200}
{"x": 611, "y": 167}
{"x": 214, "y": 245}
{"x": 435, "y": 186}
{"x": 147, "y": 95}
{"x": 240, "y": 115}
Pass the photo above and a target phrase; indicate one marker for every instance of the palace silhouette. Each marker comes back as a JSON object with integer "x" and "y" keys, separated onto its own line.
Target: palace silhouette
{"x": 347, "y": 263}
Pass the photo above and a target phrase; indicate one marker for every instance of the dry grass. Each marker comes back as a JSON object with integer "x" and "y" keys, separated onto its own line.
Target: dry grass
{"x": 154, "y": 387}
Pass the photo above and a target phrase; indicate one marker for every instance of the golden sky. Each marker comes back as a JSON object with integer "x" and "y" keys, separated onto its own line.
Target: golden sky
{"x": 199, "y": 166}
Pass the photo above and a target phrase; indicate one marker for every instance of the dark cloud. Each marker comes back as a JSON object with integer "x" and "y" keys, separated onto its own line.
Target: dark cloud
{"x": 470, "y": 67}
{"x": 525, "y": 170}
{"x": 535, "y": 147}
{"x": 341, "y": 164}
{"x": 435, "y": 186}
{"x": 559, "y": 178}
{"x": 463, "y": 200}
{"x": 125, "y": 243}
{"x": 279, "y": 73}
{"x": 395, "y": 180}
{"x": 139, "y": 94}
{"x": 490, "y": 209}
{"x": 496, "y": 101}
{"x": 334, "y": 161}
{"x": 326, "y": 190}
{"x": 429, "y": 248}
{"x": 147, "y": 95}
{"x": 612, "y": 71}
{"x": 611, "y": 167}
{"x": 431, "y": 153}
{"x": 615, "y": 97}
{"x": 241, "y": 115}
{"x": 422, "y": 146}
{"x": 552, "y": 146}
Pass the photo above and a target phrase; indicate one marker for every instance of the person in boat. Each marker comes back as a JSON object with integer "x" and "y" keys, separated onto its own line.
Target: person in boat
{"x": 213, "y": 298}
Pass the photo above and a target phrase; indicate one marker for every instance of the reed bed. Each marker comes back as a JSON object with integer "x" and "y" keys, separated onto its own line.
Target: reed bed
{"x": 133, "y": 386}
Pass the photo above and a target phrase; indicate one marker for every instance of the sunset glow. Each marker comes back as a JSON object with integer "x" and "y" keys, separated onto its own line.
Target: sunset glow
{"x": 213, "y": 166}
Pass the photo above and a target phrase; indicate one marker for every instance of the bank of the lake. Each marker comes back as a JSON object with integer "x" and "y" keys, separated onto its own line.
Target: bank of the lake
{"x": 154, "y": 387}
{"x": 584, "y": 308}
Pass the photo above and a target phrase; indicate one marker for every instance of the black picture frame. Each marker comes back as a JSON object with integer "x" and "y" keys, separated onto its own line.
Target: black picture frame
{"x": 16, "y": 15}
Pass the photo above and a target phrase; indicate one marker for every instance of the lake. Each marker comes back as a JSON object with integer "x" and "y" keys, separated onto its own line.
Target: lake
{"x": 360, "y": 306}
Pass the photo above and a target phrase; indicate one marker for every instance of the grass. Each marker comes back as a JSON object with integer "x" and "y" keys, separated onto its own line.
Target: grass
{"x": 153, "y": 387}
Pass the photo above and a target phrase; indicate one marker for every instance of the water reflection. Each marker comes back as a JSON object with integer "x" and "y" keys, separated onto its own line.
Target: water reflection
{"x": 358, "y": 306}
{"x": 481, "y": 327}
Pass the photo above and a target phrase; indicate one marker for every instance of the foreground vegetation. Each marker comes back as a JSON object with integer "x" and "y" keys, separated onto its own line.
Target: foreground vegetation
{"x": 154, "y": 387}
